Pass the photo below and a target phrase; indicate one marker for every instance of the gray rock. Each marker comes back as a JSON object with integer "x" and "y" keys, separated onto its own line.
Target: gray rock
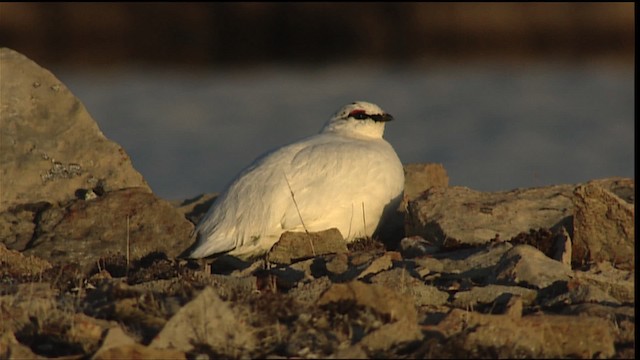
{"x": 84, "y": 231}
{"x": 427, "y": 265}
{"x": 488, "y": 294}
{"x": 195, "y": 208}
{"x": 400, "y": 281}
{"x": 603, "y": 227}
{"x": 50, "y": 147}
{"x": 473, "y": 263}
{"x": 206, "y": 320}
{"x": 526, "y": 265}
{"x": 310, "y": 292}
{"x": 620, "y": 284}
{"x": 461, "y": 215}
{"x": 416, "y": 246}
{"x": 579, "y": 293}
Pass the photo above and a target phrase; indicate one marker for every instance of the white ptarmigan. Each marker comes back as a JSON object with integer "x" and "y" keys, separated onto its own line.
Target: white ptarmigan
{"x": 326, "y": 180}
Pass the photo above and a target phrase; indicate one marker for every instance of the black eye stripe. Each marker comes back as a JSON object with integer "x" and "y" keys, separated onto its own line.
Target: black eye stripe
{"x": 360, "y": 116}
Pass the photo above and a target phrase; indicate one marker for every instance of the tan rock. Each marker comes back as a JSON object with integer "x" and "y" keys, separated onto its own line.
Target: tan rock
{"x": 14, "y": 263}
{"x": 603, "y": 227}
{"x": 400, "y": 309}
{"x": 50, "y": 147}
{"x": 381, "y": 263}
{"x": 138, "y": 352}
{"x": 419, "y": 177}
{"x": 548, "y": 336}
{"x": 206, "y": 320}
{"x": 377, "y": 297}
{"x": 294, "y": 246}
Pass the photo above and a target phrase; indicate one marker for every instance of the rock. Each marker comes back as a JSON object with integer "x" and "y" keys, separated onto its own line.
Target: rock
{"x": 10, "y": 348}
{"x": 86, "y": 331}
{"x": 562, "y": 247}
{"x": 401, "y": 282}
{"x": 25, "y": 301}
{"x": 85, "y": 231}
{"x": 460, "y": 215}
{"x": 138, "y": 351}
{"x": 578, "y": 293}
{"x": 488, "y": 294}
{"x": 115, "y": 337}
{"x": 390, "y": 335}
{"x": 13, "y": 263}
{"x": 620, "y": 284}
{"x": 419, "y": 177}
{"x": 534, "y": 336}
{"x": 624, "y": 188}
{"x": 337, "y": 264}
{"x": 50, "y": 147}
{"x": 118, "y": 345}
{"x": 17, "y": 227}
{"x": 621, "y": 318}
{"x": 194, "y": 209}
{"x": 351, "y": 352}
{"x": 206, "y": 320}
{"x": 603, "y": 227}
{"x": 473, "y": 263}
{"x": 526, "y": 265}
{"x": 382, "y": 263}
{"x": 310, "y": 292}
{"x": 428, "y": 265}
{"x": 401, "y": 312}
{"x": 416, "y": 246}
{"x": 294, "y": 246}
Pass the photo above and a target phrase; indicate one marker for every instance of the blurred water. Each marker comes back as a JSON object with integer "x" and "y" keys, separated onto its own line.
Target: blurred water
{"x": 493, "y": 127}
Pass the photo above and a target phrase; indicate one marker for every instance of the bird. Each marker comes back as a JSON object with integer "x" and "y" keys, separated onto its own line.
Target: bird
{"x": 346, "y": 177}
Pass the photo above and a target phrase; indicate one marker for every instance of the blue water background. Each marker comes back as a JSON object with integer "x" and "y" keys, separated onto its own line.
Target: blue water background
{"x": 493, "y": 127}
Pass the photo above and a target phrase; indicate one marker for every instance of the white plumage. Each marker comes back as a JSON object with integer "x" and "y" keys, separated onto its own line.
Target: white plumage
{"x": 347, "y": 168}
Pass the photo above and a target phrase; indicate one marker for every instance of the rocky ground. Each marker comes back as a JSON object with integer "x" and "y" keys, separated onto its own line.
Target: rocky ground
{"x": 89, "y": 262}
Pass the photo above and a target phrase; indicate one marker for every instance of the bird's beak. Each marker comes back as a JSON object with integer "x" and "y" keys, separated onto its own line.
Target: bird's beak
{"x": 382, "y": 117}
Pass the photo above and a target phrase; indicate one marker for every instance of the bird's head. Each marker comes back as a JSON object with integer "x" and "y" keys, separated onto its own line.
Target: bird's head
{"x": 358, "y": 119}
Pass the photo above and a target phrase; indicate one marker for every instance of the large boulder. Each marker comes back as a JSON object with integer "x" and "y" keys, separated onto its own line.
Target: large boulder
{"x": 595, "y": 220}
{"x": 122, "y": 221}
{"x": 459, "y": 215}
{"x": 50, "y": 147}
{"x": 67, "y": 193}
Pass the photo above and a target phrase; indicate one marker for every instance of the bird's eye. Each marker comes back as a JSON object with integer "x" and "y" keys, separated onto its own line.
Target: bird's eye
{"x": 359, "y": 114}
